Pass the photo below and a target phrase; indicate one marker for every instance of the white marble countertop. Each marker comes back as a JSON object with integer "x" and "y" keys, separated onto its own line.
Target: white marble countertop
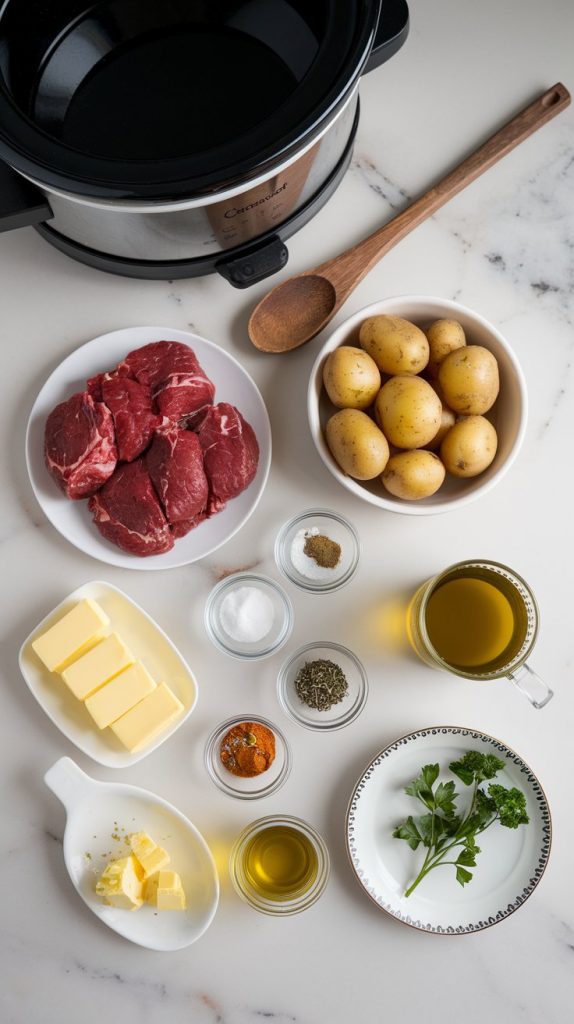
{"x": 504, "y": 247}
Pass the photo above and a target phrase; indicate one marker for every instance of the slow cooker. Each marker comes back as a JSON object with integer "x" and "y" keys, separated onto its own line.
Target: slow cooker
{"x": 172, "y": 138}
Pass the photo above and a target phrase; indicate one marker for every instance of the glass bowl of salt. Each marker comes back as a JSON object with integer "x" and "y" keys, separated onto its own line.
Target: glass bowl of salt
{"x": 248, "y": 616}
{"x": 318, "y": 550}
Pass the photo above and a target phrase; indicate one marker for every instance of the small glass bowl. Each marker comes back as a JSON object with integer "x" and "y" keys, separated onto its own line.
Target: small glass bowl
{"x": 278, "y": 908}
{"x": 334, "y": 526}
{"x": 248, "y": 788}
{"x": 279, "y": 633}
{"x": 340, "y": 714}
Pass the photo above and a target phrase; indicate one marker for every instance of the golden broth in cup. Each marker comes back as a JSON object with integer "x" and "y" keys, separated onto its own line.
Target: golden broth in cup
{"x": 474, "y": 621}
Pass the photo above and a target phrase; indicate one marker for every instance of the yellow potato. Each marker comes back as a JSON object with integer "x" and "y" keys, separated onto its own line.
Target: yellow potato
{"x": 408, "y": 411}
{"x": 469, "y": 447}
{"x": 447, "y": 420}
{"x": 351, "y": 378}
{"x": 469, "y": 380}
{"x": 413, "y": 475}
{"x": 357, "y": 444}
{"x": 396, "y": 345}
{"x": 443, "y": 336}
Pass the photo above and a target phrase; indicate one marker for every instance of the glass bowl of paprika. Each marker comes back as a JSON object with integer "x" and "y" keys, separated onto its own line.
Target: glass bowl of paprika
{"x": 323, "y": 686}
{"x": 248, "y": 757}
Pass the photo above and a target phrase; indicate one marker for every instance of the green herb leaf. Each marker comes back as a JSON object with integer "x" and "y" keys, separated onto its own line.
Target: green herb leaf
{"x": 467, "y": 857}
{"x": 422, "y": 786}
{"x": 475, "y": 767}
{"x": 409, "y": 832}
{"x": 510, "y": 805}
{"x": 463, "y": 876}
{"x": 444, "y": 797}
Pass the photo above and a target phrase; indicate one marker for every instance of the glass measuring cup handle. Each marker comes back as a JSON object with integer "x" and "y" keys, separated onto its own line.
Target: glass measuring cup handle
{"x": 532, "y": 686}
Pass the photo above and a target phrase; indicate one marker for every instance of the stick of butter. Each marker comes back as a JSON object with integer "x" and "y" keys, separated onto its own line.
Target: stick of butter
{"x": 139, "y": 726}
{"x": 121, "y": 884}
{"x": 95, "y": 668}
{"x": 149, "y": 855}
{"x": 72, "y": 635}
{"x": 165, "y": 891}
{"x": 119, "y": 695}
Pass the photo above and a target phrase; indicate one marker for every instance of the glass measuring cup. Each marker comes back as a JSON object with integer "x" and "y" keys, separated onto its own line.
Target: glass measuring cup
{"x": 479, "y": 620}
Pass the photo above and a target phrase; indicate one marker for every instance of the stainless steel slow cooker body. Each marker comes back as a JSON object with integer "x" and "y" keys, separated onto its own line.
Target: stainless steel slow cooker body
{"x": 84, "y": 175}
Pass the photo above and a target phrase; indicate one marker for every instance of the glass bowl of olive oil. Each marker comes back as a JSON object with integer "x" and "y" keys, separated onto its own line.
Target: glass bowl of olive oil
{"x": 279, "y": 865}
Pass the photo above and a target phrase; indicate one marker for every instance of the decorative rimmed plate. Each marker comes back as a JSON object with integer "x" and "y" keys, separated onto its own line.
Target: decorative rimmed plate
{"x": 508, "y": 869}
{"x": 148, "y": 643}
{"x": 72, "y": 519}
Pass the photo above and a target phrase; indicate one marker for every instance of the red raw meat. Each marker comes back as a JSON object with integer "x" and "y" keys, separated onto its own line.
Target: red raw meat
{"x": 175, "y": 465}
{"x": 134, "y": 420}
{"x": 184, "y": 526}
{"x": 230, "y": 454}
{"x": 179, "y": 386}
{"x": 95, "y": 384}
{"x": 79, "y": 445}
{"x": 127, "y": 512}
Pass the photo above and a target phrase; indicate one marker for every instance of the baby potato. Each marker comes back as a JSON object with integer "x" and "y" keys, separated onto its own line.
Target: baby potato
{"x": 413, "y": 475}
{"x": 396, "y": 345}
{"x": 469, "y": 447}
{"x": 351, "y": 378}
{"x": 447, "y": 420}
{"x": 357, "y": 444}
{"x": 469, "y": 380}
{"x": 408, "y": 411}
{"x": 443, "y": 336}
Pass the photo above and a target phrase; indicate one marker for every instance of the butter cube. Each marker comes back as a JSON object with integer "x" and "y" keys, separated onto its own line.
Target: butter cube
{"x": 121, "y": 884}
{"x": 139, "y": 726}
{"x": 165, "y": 891}
{"x": 120, "y": 694}
{"x": 73, "y": 635}
{"x": 95, "y": 668}
{"x": 149, "y": 855}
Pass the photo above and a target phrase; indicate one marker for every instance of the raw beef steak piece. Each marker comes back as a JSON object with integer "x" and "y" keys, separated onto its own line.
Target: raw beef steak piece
{"x": 184, "y": 526}
{"x": 79, "y": 445}
{"x": 230, "y": 454}
{"x": 134, "y": 419}
{"x": 95, "y": 384}
{"x": 127, "y": 512}
{"x": 179, "y": 386}
{"x": 175, "y": 465}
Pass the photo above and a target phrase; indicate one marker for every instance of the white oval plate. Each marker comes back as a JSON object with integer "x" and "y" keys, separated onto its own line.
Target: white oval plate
{"x": 508, "y": 869}
{"x": 148, "y": 643}
{"x": 98, "y": 810}
{"x": 72, "y": 519}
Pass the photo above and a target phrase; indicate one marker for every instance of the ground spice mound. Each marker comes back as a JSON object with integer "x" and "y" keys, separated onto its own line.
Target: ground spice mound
{"x": 324, "y": 551}
{"x": 248, "y": 749}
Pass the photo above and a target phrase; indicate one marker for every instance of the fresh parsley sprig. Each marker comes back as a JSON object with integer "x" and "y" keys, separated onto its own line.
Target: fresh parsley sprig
{"x": 441, "y": 829}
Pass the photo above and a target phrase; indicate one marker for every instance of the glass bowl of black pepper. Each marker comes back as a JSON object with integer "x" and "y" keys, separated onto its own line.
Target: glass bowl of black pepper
{"x": 318, "y": 550}
{"x": 323, "y": 686}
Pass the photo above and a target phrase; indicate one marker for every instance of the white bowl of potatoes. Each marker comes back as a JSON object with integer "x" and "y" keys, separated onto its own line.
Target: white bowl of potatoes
{"x": 417, "y": 405}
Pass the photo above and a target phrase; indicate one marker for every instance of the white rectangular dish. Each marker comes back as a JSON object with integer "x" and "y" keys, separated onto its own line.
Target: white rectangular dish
{"x": 150, "y": 645}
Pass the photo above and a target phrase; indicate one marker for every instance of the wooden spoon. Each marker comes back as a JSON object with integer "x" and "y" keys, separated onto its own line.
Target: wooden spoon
{"x": 296, "y": 310}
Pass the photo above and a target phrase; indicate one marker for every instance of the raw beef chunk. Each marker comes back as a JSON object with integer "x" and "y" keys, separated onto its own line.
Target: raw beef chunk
{"x": 180, "y": 388}
{"x": 230, "y": 454}
{"x": 175, "y": 465}
{"x": 127, "y": 512}
{"x": 79, "y": 445}
{"x": 134, "y": 420}
{"x": 184, "y": 526}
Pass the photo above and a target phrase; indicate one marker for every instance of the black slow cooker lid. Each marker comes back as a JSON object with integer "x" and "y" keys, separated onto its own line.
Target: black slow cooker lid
{"x": 165, "y": 99}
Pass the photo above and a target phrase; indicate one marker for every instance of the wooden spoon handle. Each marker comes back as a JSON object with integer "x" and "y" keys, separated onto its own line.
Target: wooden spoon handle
{"x": 346, "y": 270}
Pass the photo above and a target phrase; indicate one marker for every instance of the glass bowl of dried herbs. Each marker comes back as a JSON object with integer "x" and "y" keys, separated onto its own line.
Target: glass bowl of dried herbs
{"x": 318, "y": 550}
{"x": 323, "y": 686}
